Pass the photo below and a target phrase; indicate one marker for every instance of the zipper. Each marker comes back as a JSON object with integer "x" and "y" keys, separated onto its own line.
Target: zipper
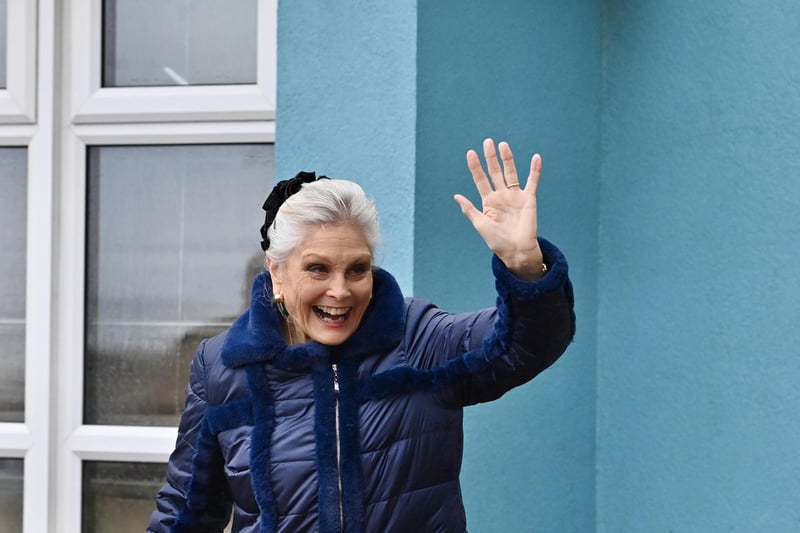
{"x": 338, "y": 444}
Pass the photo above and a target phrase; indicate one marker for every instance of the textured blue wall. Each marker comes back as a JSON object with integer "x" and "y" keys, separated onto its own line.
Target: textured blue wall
{"x": 669, "y": 132}
{"x": 364, "y": 93}
{"x": 347, "y": 106}
{"x": 698, "y": 363}
{"x": 528, "y": 72}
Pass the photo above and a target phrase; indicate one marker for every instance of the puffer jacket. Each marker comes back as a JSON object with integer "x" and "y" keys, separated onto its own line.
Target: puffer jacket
{"x": 362, "y": 437}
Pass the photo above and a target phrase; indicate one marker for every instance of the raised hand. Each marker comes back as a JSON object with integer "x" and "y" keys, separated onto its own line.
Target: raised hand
{"x": 508, "y": 220}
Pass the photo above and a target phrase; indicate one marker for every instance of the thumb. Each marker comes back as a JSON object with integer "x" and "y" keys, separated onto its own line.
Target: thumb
{"x": 467, "y": 208}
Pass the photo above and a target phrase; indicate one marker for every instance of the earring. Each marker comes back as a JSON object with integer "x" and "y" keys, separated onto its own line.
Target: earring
{"x": 277, "y": 301}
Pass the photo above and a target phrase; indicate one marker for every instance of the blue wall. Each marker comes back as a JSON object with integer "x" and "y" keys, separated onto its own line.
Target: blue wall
{"x": 698, "y": 341}
{"x": 392, "y": 95}
{"x": 669, "y": 132}
{"x": 529, "y": 73}
{"x": 347, "y": 106}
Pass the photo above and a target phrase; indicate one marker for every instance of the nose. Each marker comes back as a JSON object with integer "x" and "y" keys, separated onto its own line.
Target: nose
{"x": 339, "y": 288}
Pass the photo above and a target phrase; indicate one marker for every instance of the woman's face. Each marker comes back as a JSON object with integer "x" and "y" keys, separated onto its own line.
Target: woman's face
{"x": 326, "y": 284}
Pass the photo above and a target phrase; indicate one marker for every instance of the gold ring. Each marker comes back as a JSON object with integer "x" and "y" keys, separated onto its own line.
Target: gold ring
{"x": 512, "y": 185}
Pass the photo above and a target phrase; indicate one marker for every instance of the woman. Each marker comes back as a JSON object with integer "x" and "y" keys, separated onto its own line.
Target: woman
{"x": 333, "y": 403}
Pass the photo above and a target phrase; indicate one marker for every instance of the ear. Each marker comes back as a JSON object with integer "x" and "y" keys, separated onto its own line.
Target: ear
{"x": 276, "y": 273}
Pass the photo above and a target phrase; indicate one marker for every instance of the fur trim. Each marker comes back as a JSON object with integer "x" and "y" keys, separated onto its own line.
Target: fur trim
{"x": 348, "y": 468}
{"x": 353, "y": 496}
{"x": 260, "y": 442}
{"x": 509, "y": 286}
{"x": 325, "y": 431}
{"x": 256, "y": 335}
{"x": 231, "y": 415}
{"x": 208, "y": 493}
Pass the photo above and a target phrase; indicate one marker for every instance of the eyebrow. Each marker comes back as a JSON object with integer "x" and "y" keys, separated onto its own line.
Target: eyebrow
{"x": 324, "y": 259}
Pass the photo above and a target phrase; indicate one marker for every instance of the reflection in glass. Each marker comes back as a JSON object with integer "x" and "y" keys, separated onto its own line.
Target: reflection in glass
{"x": 119, "y": 496}
{"x": 179, "y": 42}
{"x": 13, "y": 215}
{"x": 11, "y": 494}
{"x": 172, "y": 247}
{"x": 3, "y": 43}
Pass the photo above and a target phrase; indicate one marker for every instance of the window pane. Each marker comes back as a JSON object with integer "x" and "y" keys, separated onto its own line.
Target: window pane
{"x": 172, "y": 247}
{"x": 3, "y": 42}
{"x": 13, "y": 215}
{"x": 179, "y": 42}
{"x": 10, "y": 494}
{"x": 119, "y": 496}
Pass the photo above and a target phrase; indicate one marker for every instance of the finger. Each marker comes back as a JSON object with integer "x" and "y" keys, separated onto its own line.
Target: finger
{"x": 509, "y": 168}
{"x": 469, "y": 210}
{"x": 478, "y": 176}
{"x": 492, "y": 164}
{"x": 535, "y": 174}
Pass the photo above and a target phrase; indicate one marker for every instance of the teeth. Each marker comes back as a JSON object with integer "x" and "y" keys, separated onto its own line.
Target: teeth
{"x": 335, "y": 311}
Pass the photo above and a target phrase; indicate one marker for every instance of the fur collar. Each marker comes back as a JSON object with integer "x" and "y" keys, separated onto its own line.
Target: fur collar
{"x": 255, "y": 337}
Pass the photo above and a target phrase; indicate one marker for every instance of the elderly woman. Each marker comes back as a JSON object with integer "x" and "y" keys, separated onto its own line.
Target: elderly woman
{"x": 334, "y": 404}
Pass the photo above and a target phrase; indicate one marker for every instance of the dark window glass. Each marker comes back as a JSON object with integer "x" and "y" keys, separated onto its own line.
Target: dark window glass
{"x": 11, "y": 494}
{"x": 13, "y": 224}
{"x": 119, "y": 496}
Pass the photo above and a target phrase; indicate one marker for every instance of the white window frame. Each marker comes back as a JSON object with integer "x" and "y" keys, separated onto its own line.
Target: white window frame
{"x": 18, "y": 99}
{"x": 91, "y": 115}
{"x": 91, "y": 103}
{"x": 83, "y": 442}
{"x": 56, "y": 119}
{"x": 28, "y": 58}
{"x": 29, "y": 440}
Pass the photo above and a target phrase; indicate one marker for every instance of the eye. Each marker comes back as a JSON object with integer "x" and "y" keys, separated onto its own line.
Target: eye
{"x": 358, "y": 270}
{"x": 317, "y": 270}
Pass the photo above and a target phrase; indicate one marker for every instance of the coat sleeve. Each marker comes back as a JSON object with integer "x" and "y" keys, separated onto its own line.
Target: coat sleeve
{"x": 489, "y": 352}
{"x": 171, "y": 500}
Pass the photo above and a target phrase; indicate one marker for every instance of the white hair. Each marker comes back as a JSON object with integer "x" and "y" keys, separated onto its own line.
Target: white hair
{"x": 325, "y": 201}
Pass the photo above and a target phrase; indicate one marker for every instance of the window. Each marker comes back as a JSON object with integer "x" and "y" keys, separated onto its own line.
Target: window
{"x": 212, "y": 42}
{"x": 117, "y": 495}
{"x": 3, "y": 42}
{"x": 172, "y": 60}
{"x": 13, "y": 215}
{"x": 135, "y": 152}
{"x": 171, "y": 251}
{"x": 17, "y": 62}
{"x": 10, "y": 494}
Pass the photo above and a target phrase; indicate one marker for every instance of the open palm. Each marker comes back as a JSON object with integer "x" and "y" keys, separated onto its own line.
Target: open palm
{"x": 508, "y": 220}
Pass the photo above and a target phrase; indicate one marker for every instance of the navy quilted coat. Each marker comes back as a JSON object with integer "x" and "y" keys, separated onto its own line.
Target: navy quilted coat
{"x": 362, "y": 437}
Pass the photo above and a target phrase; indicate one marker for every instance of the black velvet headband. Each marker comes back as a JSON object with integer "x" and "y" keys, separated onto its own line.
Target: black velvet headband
{"x": 280, "y": 193}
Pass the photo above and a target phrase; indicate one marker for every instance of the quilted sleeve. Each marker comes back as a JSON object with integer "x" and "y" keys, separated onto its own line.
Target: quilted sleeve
{"x": 171, "y": 500}
{"x": 483, "y": 355}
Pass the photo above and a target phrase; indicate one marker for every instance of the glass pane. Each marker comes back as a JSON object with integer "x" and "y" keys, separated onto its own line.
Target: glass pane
{"x": 3, "y": 43}
{"x": 11, "y": 494}
{"x": 119, "y": 496}
{"x": 172, "y": 247}
{"x": 13, "y": 216}
{"x": 179, "y": 42}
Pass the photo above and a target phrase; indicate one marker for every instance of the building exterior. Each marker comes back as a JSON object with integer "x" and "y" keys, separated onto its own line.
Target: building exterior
{"x": 137, "y": 141}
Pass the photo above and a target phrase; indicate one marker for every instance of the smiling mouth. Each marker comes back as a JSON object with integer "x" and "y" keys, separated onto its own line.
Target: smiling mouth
{"x": 332, "y": 314}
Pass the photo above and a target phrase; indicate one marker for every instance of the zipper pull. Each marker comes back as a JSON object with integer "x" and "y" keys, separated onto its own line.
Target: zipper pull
{"x": 335, "y": 378}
